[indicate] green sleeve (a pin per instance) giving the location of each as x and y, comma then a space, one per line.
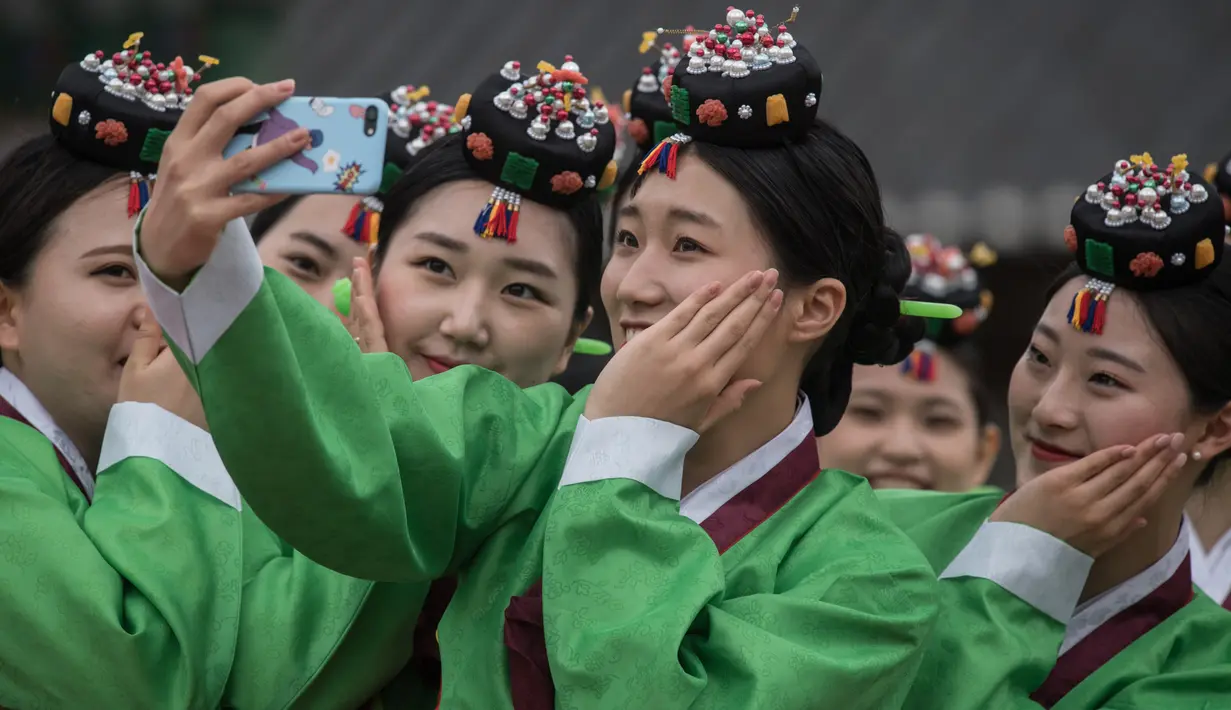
989, 650
312, 637
340, 453
640, 610
131, 602
993, 644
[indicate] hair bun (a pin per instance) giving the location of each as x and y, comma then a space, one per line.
879, 334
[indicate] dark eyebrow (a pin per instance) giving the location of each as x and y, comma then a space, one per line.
115, 250
681, 214
1113, 356
443, 242
1047, 331
678, 214
316, 241
873, 392
530, 266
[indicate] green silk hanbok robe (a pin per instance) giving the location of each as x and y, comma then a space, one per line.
131, 601
1151, 642
799, 594
286, 640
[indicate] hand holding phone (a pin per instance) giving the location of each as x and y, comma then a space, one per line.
345, 156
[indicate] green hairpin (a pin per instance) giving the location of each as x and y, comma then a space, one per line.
341, 296
589, 346
928, 309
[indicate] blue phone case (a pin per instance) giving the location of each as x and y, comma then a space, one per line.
341, 160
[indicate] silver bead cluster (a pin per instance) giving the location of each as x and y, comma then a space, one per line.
408, 117
728, 55
1154, 204
582, 114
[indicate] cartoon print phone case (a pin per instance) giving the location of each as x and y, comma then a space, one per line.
346, 154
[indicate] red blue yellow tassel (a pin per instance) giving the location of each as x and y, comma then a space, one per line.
1088, 312
921, 364
363, 225
499, 216
665, 155
139, 189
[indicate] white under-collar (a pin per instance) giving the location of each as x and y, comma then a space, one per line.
1099, 610
708, 497
1211, 568
15, 392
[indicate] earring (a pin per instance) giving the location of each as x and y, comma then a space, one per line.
1196, 456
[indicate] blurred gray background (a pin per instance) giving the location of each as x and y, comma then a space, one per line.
982, 117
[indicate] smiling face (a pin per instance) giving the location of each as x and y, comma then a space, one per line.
307, 244
674, 237
1074, 393
900, 432
67, 331
448, 297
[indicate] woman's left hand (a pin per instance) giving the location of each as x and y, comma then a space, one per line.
364, 322
681, 369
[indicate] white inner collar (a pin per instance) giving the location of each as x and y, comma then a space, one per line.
1095, 612
1212, 568
15, 392
708, 497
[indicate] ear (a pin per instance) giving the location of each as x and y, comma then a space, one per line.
578, 328
10, 317
1217, 435
989, 449
814, 310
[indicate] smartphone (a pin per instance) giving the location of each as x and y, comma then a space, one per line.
347, 153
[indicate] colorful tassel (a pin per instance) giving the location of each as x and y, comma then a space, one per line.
363, 224
665, 155
140, 187
921, 364
1088, 311
499, 216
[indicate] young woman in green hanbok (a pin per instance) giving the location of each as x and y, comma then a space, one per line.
926, 424
1123, 366
1209, 509
298, 634
121, 579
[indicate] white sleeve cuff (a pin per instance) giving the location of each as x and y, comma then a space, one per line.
646, 450
1041, 570
195, 319
149, 431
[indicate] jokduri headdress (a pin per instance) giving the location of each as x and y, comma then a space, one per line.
742, 85
943, 274
119, 109
1143, 227
645, 105
746, 87
415, 122
537, 137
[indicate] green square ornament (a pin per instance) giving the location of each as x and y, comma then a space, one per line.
664, 130
1100, 258
151, 147
519, 170
680, 105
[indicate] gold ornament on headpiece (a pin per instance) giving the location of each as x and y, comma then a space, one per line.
981, 256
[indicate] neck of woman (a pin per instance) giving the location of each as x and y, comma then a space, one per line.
1210, 508
765, 413
1135, 554
85, 432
